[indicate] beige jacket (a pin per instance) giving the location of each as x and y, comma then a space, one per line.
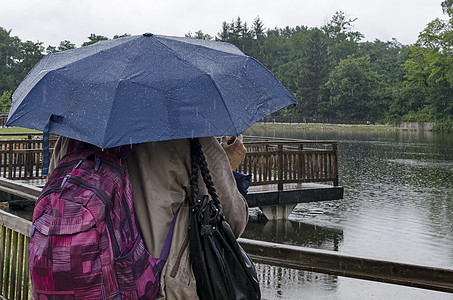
159, 173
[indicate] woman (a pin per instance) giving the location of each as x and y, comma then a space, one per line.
160, 178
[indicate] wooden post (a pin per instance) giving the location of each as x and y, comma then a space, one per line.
10, 160
7, 265
301, 162
12, 292
2, 255
20, 267
26, 270
335, 164
280, 167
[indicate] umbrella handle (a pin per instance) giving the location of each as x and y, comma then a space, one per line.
45, 143
46, 151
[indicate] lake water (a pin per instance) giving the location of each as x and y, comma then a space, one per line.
397, 206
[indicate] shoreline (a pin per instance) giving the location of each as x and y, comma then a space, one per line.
328, 126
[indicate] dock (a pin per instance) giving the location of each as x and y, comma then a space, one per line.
286, 172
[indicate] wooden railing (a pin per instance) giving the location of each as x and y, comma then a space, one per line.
3, 119
22, 158
268, 160
14, 269
274, 161
15, 279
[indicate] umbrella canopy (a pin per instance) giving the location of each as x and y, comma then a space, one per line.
146, 88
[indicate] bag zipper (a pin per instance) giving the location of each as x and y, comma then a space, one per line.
103, 196
175, 268
50, 190
123, 200
69, 163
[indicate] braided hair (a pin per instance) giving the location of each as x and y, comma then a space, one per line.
199, 163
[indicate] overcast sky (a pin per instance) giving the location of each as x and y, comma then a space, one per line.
51, 21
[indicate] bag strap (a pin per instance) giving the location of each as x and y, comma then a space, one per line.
167, 244
198, 161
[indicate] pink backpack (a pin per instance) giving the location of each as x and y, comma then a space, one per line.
85, 242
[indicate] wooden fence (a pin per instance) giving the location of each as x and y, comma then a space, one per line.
22, 158
3, 119
15, 279
290, 161
14, 269
268, 160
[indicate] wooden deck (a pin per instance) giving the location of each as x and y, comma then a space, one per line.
286, 172
292, 193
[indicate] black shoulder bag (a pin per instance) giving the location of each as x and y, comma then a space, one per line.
222, 269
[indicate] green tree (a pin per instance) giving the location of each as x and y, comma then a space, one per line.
16, 59
307, 69
94, 38
430, 66
30, 54
343, 41
9, 56
199, 35
315, 72
258, 29
64, 45
351, 86
224, 34
116, 36
5, 101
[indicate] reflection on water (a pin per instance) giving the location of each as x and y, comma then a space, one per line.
295, 233
398, 205
283, 283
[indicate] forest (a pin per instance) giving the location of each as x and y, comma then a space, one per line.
331, 72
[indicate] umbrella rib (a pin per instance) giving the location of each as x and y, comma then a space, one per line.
107, 125
204, 73
226, 107
116, 92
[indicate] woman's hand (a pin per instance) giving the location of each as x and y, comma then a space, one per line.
234, 150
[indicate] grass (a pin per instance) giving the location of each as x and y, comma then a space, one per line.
18, 130
322, 126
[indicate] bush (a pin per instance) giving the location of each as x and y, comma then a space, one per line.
443, 126
5, 101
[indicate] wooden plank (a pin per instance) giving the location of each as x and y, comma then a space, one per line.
7, 263
2, 255
10, 160
331, 262
26, 270
309, 192
19, 224
20, 267
23, 190
13, 251
13, 264
280, 167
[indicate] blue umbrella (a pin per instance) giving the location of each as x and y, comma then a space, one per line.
146, 88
